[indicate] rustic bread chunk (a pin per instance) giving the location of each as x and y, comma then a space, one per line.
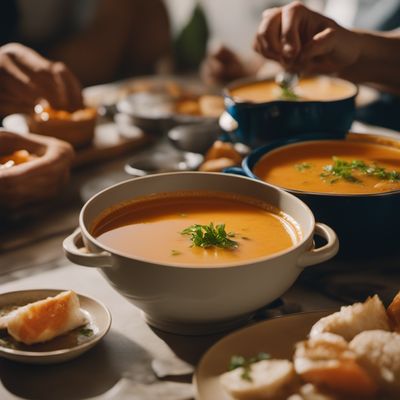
351, 320
45, 319
379, 354
327, 361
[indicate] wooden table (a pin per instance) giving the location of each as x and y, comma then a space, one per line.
124, 364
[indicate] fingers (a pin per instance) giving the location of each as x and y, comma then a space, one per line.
27, 77
268, 38
285, 33
291, 20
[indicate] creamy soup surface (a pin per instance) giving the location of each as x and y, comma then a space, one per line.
317, 88
326, 166
151, 228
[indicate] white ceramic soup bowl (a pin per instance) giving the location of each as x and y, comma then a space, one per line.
192, 299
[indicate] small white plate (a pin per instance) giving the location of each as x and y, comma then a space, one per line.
64, 347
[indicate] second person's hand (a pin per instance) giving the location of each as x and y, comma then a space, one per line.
305, 41
27, 77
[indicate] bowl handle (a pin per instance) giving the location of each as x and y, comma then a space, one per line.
327, 251
80, 255
227, 122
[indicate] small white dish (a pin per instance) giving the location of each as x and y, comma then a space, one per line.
64, 347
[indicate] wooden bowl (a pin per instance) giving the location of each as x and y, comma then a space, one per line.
36, 180
76, 128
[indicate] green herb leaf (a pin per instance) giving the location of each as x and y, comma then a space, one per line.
210, 236
303, 166
86, 332
237, 361
341, 169
288, 94
175, 253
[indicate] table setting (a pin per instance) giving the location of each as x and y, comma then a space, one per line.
160, 324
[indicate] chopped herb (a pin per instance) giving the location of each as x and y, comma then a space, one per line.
245, 363
245, 238
210, 236
86, 332
175, 253
341, 169
288, 94
303, 166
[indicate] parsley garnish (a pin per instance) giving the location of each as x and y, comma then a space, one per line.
341, 169
86, 332
210, 236
175, 253
245, 363
288, 94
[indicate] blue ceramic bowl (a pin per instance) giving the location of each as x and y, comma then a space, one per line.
259, 123
366, 224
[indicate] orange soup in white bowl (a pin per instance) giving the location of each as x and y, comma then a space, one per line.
181, 246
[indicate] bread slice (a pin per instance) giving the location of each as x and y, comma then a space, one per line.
379, 354
270, 379
351, 320
45, 319
327, 362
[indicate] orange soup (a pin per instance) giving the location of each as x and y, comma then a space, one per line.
332, 166
316, 88
196, 228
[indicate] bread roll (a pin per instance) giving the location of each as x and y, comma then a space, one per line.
379, 353
351, 320
45, 319
327, 361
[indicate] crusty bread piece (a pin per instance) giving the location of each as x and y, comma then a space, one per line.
270, 379
393, 312
45, 319
379, 353
326, 361
351, 320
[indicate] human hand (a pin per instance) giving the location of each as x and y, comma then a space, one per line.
26, 77
221, 66
305, 41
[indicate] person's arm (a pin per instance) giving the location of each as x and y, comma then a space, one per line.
378, 61
305, 41
26, 77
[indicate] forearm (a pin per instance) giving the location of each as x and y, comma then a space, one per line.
378, 61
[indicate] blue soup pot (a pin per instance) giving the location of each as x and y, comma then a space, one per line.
366, 224
258, 123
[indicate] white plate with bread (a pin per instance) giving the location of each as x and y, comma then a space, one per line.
350, 354
46, 326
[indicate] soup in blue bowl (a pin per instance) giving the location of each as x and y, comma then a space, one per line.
352, 184
259, 111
